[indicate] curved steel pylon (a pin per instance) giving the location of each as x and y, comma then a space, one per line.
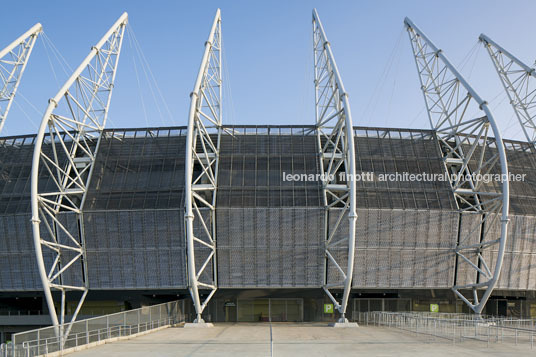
61, 172
337, 156
13, 60
201, 171
462, 123
519, 83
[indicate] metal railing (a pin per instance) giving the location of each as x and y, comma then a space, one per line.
20, 312
87, 312
456, 328
44, 340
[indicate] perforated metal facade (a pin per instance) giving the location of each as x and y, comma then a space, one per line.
270, 247
405, 249
253, 161
388, 151
134, 211
18, 268
521, 160
270, 231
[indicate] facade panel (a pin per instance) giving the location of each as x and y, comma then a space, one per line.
270, 230
519, 264
405, 249
18, 267
139, 169
253, 167
470, 228
522, 161
135, 249
391, 151
286, 252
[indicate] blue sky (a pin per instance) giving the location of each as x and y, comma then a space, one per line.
268, 56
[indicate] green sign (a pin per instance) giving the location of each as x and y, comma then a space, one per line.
328, 308
434, 307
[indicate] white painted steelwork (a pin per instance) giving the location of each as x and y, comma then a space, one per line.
13, 60
337, 156
462, 122
201, 171
519, 83
61, 172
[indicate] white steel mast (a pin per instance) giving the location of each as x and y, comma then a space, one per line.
201, 171
519, 83
62, 165
337, 155
462, 122
13, 60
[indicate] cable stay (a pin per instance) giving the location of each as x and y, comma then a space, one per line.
142, 69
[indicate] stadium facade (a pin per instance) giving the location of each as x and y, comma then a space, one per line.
272, 246
270, 231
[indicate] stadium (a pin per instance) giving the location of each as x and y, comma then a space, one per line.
258, 223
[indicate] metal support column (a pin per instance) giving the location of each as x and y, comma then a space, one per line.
13, 60
462, 122
65, 157
519, 83
337, 158
201, 172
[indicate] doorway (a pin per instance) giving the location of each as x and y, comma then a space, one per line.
265, 310
230, 311
502, 307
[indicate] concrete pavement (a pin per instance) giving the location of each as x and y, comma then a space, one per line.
253, 339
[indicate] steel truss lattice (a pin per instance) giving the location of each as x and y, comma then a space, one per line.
337, 156
519, 83
462, 122
65, 156
13, 60
201, 171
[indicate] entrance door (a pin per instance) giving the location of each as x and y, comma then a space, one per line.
230, 311
502, 307
286, 310
261, 310
255, 310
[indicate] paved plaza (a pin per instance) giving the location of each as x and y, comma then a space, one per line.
243, 339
